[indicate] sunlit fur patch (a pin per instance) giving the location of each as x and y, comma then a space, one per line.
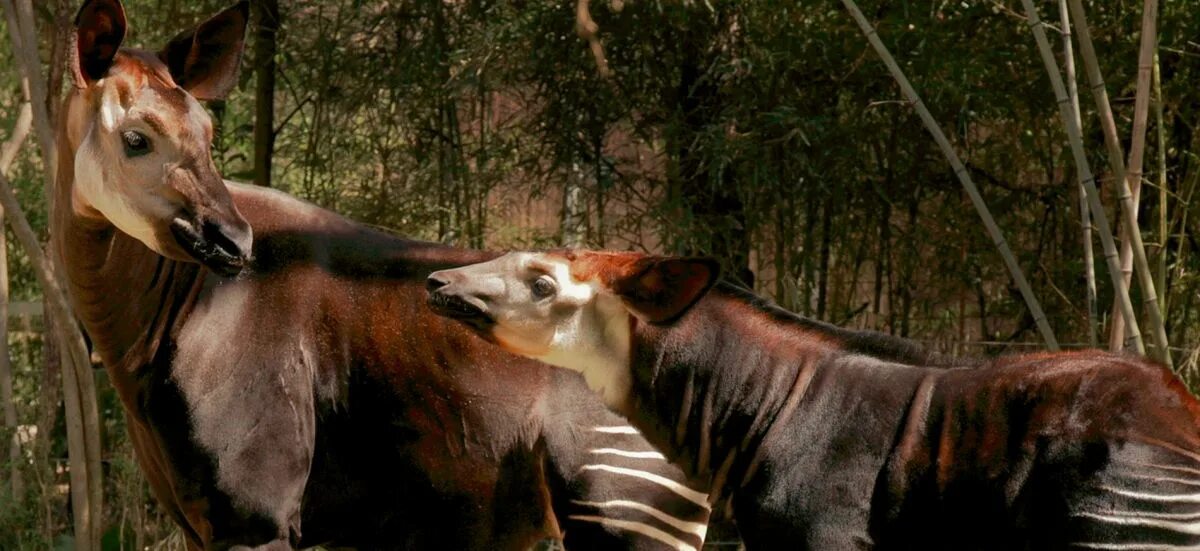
603, 267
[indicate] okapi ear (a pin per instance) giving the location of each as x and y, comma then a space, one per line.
205, 60
99, 31
660, 290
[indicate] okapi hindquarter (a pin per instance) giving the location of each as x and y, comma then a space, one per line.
1042, 451
827, 438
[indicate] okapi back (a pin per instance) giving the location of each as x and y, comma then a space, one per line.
843, 439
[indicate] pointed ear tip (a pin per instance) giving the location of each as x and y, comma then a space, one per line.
90, 6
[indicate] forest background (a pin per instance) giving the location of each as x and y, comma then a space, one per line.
767, 134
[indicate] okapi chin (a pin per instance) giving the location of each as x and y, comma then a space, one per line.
825, 438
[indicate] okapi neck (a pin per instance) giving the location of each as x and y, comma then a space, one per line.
126, 295
709, 388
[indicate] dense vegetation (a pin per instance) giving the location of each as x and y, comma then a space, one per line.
765, 133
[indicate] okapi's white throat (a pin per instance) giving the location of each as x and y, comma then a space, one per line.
104, 184
595, 339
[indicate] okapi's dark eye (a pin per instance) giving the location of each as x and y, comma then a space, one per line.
136, 143
543, 287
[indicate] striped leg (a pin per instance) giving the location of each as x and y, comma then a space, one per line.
611, 489
1147, 498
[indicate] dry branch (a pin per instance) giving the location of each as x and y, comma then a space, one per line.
960, 170
79, 391
588, 30
8, 153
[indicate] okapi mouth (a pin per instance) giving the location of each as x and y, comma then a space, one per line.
209, 246
459, 308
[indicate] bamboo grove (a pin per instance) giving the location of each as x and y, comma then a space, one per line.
769, 134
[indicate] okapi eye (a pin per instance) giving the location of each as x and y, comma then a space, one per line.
136, 143
543, 287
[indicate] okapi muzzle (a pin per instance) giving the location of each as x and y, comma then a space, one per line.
458, 296
209, 228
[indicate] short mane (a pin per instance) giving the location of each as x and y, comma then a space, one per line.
874, 344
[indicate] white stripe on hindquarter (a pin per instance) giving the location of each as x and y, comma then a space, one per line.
621, 429
1176, 468
1192, 516
1134, 546
629, 454
1164, 479
695, 528
1168, 498
1137, 520
644, 529
699, 498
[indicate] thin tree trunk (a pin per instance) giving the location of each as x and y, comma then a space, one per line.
8, 153
79, 391
807, 246
1035, 308
1085, 215
15, 460
264, 89
1116, 161
1137, 150
823, 267
49, 397
1163, 195
574, 209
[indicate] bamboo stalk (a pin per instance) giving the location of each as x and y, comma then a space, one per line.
1089, 181
1116, 162
79, 391
1163, 199
8, 154
1085, 215
1137, 150
1035, 308
64, 323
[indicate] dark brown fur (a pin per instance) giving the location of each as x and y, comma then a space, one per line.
314, 399
834, 439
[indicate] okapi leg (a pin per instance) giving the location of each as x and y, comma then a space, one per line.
615, 490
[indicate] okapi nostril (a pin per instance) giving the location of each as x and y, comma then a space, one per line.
226, 239
435, 282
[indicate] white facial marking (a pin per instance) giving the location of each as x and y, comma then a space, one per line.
111, 110
100, 183
641, 528
595, 339
132, 192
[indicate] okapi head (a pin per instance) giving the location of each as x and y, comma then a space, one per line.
141, 141
572, 309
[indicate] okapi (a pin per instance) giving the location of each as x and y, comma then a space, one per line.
283, 381
826, 438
